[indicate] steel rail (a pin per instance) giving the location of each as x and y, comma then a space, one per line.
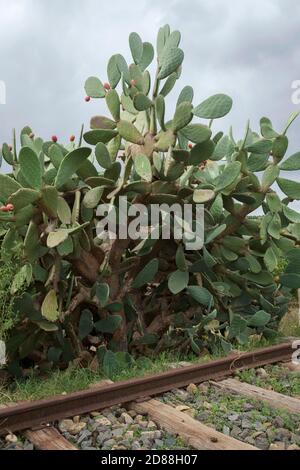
40, 413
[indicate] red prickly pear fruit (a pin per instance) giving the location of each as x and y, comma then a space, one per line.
10, 147
191, 146
87, 99
133, 82
72, 138
106, 86
10, 207
54, 139
31, 135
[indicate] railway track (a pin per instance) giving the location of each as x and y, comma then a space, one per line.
161, 400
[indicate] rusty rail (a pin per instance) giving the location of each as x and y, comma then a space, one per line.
40, 413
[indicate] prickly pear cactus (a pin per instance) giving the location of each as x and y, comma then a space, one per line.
144, 296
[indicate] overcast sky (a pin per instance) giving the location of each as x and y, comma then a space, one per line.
249, 49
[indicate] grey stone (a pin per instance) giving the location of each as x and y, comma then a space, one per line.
118, 432
271, 434
147, 443
250, 440
262, 443
150, 435
182, 394
236, 431
28, 446
136, 446
226, 430
245, 433
158, 443
126, 443
170, 442
203, 416
233, 417
282, 434
104, 437
258, 426
246, 424
249, 406
126, 418
279, 422
109, 443
86, 444
83, 436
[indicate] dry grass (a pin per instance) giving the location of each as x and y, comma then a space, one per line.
290, 324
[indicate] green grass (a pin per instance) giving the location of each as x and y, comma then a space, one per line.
289, 325
222, 404
279, 379
74, 379
8, 317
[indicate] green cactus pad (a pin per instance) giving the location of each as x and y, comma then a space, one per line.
215, 107
147, 57
187, 94
183, 116
171, 60
266, 128
94, 88
203, 195
30, 167
109, 325
56, 238
178, 281
50, 307
93, 197
229, 175
290, 188
160, 107
113, 72
102, 122
169, 84
56, 155
136, 47
70, 164
261, 147
49, 200
130, 133
142, 102
113, 104
8, 186
64, 211
142, 166
292, 163
7, 154
269, 177
102, 155
99, 135
24, 197
201, 152
197, 133
147, 274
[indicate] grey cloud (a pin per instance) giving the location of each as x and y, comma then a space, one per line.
248, 49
